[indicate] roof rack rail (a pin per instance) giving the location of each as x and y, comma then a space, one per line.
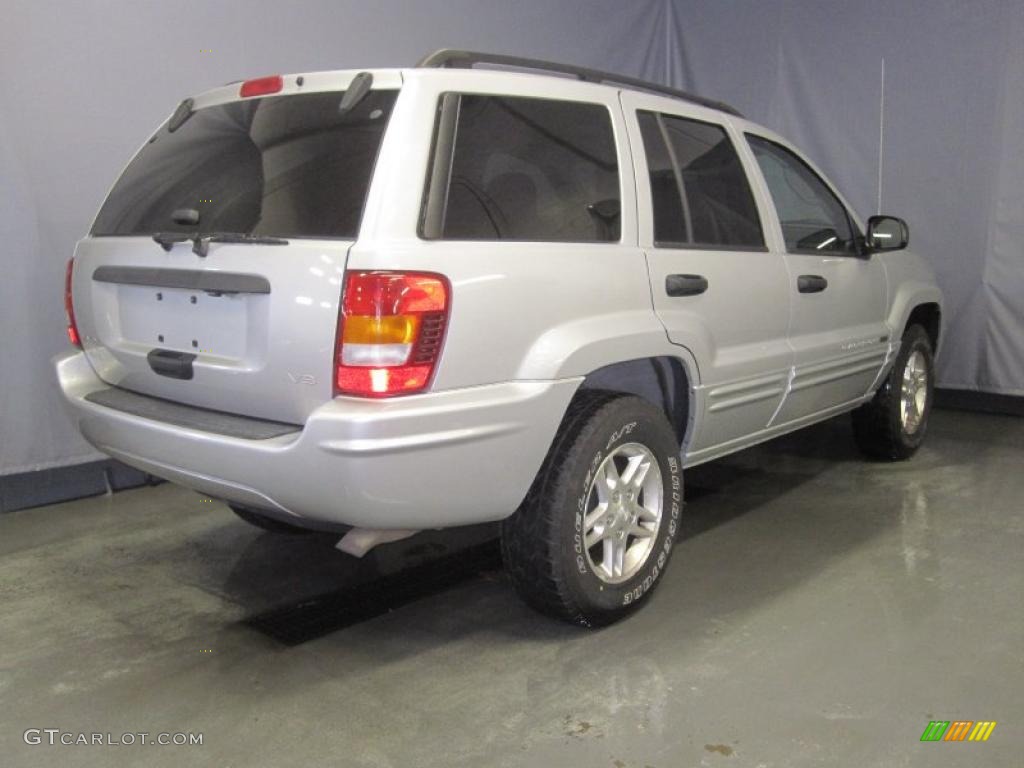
453, 57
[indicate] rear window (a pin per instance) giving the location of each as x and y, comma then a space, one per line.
287, 166
511, 168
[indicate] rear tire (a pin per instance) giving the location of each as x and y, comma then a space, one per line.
267, 523
892, 426
612, 479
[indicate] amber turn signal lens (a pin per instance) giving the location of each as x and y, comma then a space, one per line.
392, 326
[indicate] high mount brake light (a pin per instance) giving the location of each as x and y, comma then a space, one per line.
69, 305
391, 328
261, 86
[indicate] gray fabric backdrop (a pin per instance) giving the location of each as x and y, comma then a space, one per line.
81, 84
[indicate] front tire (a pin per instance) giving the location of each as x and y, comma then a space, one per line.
892, 426
596, 530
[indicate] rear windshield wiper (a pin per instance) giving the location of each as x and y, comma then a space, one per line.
201, 241
168, 239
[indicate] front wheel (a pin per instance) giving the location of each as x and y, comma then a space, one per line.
596, 530
892, 426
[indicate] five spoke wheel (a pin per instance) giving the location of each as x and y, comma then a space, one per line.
913, 392
624, 510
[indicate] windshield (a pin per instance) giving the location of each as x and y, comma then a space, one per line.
285, 166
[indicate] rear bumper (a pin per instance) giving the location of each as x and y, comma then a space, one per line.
426, 461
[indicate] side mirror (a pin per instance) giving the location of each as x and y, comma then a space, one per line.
886, 233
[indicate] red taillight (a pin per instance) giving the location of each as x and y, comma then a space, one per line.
391, 330
261, 86
69, 305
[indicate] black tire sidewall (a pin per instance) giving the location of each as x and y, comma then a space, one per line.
915, 340
628, 420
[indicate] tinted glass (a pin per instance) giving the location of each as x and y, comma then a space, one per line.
812, 218
293, 166
716, 206
529, 169
669, 221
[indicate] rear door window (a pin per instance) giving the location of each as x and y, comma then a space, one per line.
511, 168
288, 166
699, 189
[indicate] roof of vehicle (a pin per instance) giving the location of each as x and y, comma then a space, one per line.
451, 57
448, 58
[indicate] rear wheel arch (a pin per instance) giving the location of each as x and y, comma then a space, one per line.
663, 381
546, 545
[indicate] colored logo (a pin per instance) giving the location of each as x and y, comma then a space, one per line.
958, 730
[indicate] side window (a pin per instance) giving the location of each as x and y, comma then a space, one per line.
670, 223
700, 192
812, 218
510, 168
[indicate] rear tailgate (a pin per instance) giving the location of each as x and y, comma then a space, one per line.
242, 327
262, 331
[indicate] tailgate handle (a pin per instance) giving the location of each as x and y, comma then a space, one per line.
213, 283
173, 365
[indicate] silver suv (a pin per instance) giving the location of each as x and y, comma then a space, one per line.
377, 302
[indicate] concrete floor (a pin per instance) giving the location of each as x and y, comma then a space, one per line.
819, 611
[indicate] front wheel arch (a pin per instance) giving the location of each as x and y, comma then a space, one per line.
878, 427
929, 317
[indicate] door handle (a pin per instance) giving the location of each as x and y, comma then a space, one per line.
685, 285
811, 283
